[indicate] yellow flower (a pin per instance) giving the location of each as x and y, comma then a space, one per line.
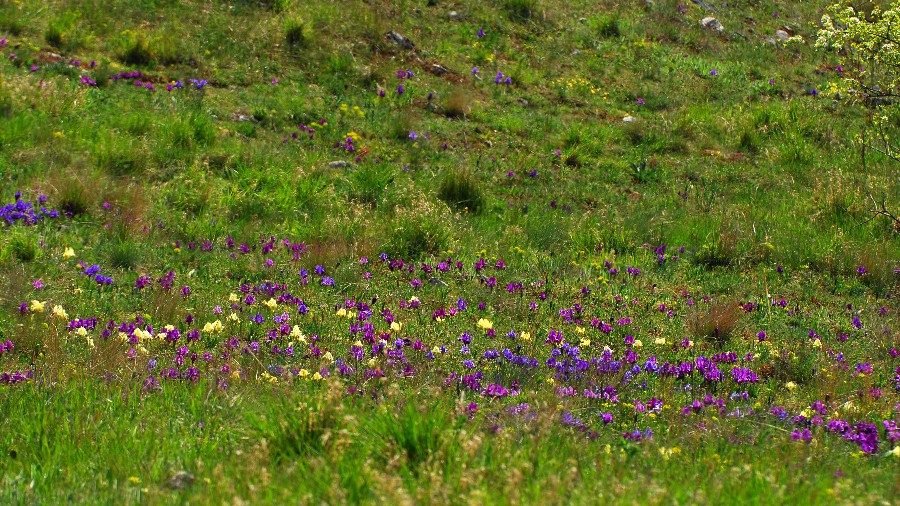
60, 313
213, 327
81, 331
526, 336
396, 327
68, 253
579, 330
661, 341
341, 312
485, 324
585, 343
271, 303
895, 452
317, 376
233, 297
372, 362
37, 306
790, 385
638, 343
303, 373
328, 356
232, 317
296, 332
436, 350
134, 479
90, 342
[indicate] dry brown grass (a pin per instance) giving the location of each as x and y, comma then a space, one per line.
717, 323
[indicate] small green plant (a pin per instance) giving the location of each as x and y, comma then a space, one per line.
644, 172
461, 189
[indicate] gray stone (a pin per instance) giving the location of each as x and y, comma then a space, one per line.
180, 480
782, 35
400, 40
339, 164
711, 23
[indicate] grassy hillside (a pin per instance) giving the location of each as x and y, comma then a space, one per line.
441, 252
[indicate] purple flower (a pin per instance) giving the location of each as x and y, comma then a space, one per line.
480, 32
413, 135
474, 71
713, 72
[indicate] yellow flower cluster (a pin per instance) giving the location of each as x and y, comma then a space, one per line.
485, 324
213, 327
577, 83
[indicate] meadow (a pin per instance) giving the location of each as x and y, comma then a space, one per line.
443, 252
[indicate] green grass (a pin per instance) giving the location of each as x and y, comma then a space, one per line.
759, 188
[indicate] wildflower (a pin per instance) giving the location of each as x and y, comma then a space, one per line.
713, 72
480, 32
396, 327
790, 385
640, 101
68, 253
60, 313
37, 306
474, 71
400, 91
413, 135
485, 324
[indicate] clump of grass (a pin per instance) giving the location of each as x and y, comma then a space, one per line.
716, 324
124, 254
61, 32
136, 52
6, 103
368, 184
74, 197
418, 230
23, 246
608, 26
461, 189
457, 104
297, 33
521, 10
721, 251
